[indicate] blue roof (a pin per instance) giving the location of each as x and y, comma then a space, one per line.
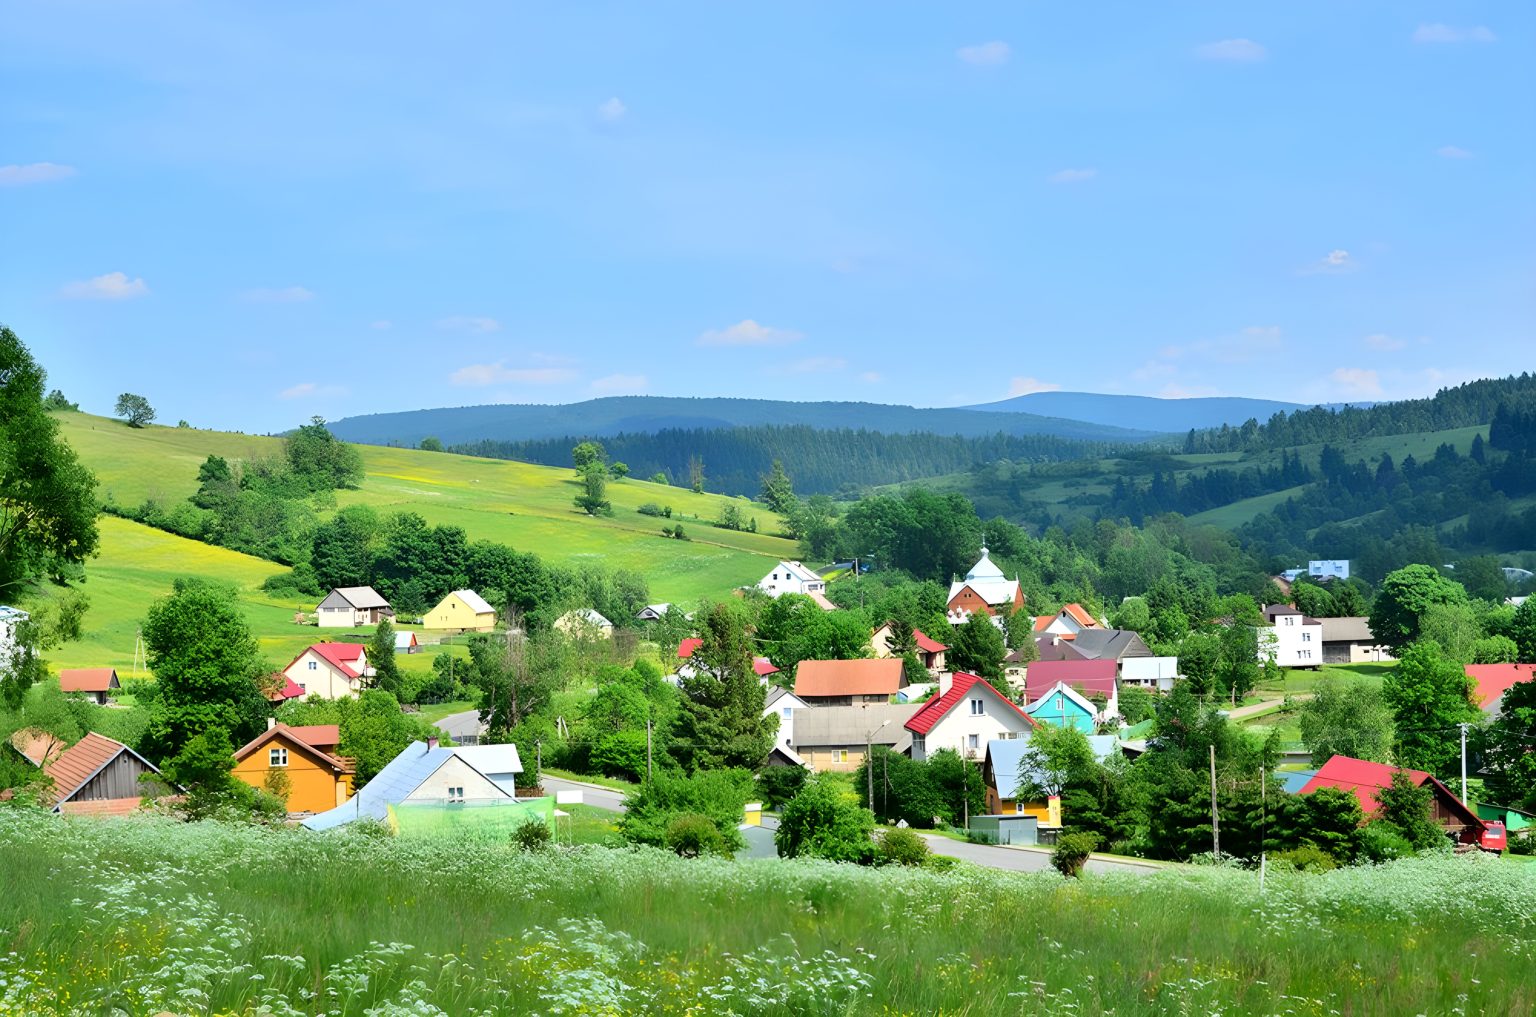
391, 786
1007, 755
1294, 780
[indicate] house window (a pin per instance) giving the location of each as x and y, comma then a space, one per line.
1290, 621
455, 794
314, 666
1306, 654
277, 757
973, 741
839, 755
1306, 637
918, 744
978, 708
786, 712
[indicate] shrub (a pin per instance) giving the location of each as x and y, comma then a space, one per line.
778, 784
1305, 858
1072, 852
903, 847
650, 508
940, 863
825, 821
717, 794
532, 835
1522, 845
1380, 843
691, 835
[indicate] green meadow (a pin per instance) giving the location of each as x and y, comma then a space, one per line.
142, 916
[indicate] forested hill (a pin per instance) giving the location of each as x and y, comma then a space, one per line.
734, 460
1147, 412
1463, 406
601, 418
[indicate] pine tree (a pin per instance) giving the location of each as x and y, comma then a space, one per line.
722, 723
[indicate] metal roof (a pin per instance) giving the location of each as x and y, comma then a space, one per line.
473, 601
489, 759
827, 726
361, 597
392, 785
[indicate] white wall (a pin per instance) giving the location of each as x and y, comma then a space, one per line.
322, 679
1294, 644
456, 773
957, 726
337, 618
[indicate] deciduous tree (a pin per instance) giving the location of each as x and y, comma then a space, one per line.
1429, 696
1404, 598
134, 409
1347, 718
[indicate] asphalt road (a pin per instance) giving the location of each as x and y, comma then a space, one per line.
760, 840
461, 725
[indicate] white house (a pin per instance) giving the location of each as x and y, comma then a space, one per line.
1155, 674
791, 577
423, 772
966, 715
783, 703
583, 622
349, 606
330, 670
1332, 568
10, 617
1291, 639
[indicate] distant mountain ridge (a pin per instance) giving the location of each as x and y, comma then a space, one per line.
613, 415
1150, 413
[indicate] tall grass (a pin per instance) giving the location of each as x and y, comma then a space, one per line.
145, 915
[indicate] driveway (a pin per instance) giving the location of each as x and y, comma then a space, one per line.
462, 725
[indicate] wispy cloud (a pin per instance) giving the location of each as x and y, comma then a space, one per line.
279, 295
625, 384
749, 333
1383, 342
986, 54
1437, 33
871, 377
34, 173
112, 286
1239, 347
1357, 382
309, 389
1073, 176
1241, 51
1335, 262
613, 110
469, 323
479, 375
1452, 152
1026, 386
815, 365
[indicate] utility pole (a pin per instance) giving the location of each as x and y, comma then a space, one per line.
538, 758
869, 766
1215, 820
647, 749
1463, 727
1263, 823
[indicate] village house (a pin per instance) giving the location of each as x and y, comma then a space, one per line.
406, 642
1290, 638
848, 682
330, 670
652, 612
1364, 779
1015, 787
461, 611
984, 590
1094, 680
317, 778
1063, 706
424, 773
1349, 641
1155, 674
835, 738
1068, 622
584, 622
94, 683
783, 704
930, 652
966, 714
791, 577
96, 776
352, 606
1491, 681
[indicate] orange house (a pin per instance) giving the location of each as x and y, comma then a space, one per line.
318, 781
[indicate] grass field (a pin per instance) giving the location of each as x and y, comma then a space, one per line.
143, 916
528, 507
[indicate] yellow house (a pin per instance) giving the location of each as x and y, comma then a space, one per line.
317, 780
462, 611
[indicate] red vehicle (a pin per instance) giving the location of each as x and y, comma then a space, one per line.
1494, 838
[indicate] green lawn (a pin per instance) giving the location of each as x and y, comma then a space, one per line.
526, 506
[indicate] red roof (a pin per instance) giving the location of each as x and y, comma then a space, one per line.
934, 710
87, 679
1363, 779
292, 736
342, 656
1491, 681
288, 689
763, 666
687, 646
321, 736
1086, 676
927, 645
1080, 613
80, 762
869, 677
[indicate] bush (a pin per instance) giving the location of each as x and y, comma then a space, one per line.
1072, 851
825, 821
691, 835
941, 863
1380, 843
650, 508
717, 794
1305, 858
533, 835
1522, 845
778, 784
903, 847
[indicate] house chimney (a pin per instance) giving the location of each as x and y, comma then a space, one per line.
271, 723
431, 744
946, 679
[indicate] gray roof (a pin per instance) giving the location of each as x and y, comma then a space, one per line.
1007, 758
827, 726
1347, 630
778, 692
392, 785
1109, 644
362, 598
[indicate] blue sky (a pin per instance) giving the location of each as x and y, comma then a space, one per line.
252, 213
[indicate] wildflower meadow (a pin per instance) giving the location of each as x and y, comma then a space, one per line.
145, 916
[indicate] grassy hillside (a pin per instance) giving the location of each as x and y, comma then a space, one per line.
528, 507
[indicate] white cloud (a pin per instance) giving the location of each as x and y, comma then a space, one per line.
1357, 382
1434, 33
1244, 51
308, 389
749, 333
1382, 341
621, 384
1024, 386
477, 375
815, 365
613, 110
280, 295
1336, 262
112, 286
1452, 152
986, 54
382, 325
871, 377
34, 173
1073, 176
469, 323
